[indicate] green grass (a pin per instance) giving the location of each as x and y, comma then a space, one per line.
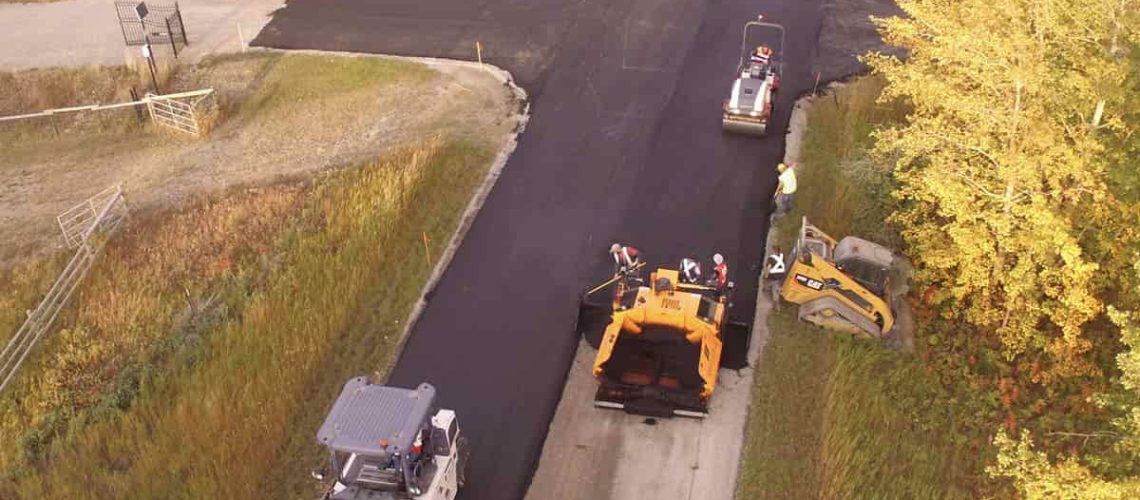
296, 289
889, 430
833, 416
301, 77
250, 86
836, 417
782, 457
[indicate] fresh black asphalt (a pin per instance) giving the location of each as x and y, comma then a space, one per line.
624, 144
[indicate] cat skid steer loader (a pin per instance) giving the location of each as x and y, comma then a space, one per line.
841, 286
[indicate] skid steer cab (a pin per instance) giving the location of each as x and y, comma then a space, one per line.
391, 443
841, 285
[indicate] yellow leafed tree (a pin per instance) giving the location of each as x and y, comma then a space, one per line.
1001, 163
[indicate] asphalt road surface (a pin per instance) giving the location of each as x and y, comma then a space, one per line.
624, 144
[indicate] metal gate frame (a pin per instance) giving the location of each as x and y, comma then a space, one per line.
162, 25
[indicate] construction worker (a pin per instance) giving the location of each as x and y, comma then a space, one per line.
720, 272
626, 258
417, 447
785, 189
774, 273
690, 271
762, 56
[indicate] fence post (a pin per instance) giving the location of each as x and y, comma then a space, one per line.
181, 25
170, 34
138, 112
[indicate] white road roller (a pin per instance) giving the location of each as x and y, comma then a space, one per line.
749, 105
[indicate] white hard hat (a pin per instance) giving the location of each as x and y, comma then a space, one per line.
615, 248
718, 259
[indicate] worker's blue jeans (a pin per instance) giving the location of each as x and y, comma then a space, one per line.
784, 202
774, 287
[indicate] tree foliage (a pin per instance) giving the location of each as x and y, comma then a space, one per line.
1018, 202
1002, 162
1036, 477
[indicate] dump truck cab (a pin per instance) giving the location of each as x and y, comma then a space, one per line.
661, 350
387, 443
840, 285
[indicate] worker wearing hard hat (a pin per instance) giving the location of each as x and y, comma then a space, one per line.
774, 273
690, 271
720, 272
786, 189
762, 55
626, 258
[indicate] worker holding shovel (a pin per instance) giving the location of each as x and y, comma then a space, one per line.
785, 194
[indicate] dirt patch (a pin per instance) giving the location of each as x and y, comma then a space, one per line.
284, 116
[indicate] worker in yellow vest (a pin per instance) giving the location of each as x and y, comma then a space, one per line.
786, 189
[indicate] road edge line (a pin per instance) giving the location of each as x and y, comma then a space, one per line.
474, 205
760, 333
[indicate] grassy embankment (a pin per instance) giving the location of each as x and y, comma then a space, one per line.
835, 417
199, 357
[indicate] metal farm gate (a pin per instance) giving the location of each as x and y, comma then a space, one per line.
160, 24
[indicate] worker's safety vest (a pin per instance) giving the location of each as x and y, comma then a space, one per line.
721, 271
777, 266
690, 268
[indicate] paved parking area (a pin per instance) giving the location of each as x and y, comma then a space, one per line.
87, 32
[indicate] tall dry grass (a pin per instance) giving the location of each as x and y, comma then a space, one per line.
232, 412
146, 298
21, 289
36, 90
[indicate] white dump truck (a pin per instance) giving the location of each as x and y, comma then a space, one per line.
391, 443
